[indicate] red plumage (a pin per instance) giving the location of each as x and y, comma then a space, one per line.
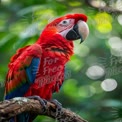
51, 71
53, 50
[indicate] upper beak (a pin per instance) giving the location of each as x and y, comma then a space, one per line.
79, 31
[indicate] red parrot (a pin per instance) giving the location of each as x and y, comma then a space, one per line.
38, 69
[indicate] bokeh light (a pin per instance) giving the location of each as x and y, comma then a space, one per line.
5, 1
103, 22
95, 72
98, 3
120, 19
119, 5
109, 84
116, 46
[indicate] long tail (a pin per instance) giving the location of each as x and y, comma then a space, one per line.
24, 117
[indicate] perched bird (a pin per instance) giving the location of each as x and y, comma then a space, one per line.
38, 69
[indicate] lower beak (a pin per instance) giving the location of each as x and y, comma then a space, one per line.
79, 31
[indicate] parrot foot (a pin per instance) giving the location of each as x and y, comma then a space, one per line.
57, 103
58, 107
43, 102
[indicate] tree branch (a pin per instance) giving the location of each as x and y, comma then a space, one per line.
13, 107
106, 8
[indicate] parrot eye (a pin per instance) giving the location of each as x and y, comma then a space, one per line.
65, 22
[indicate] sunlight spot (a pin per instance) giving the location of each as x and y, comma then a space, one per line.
5, 1
120, 19
103, 22
115, 42
98, 3
109, 84
116, 46
119, 5
95, 72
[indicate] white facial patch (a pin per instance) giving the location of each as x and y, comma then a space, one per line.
64, 33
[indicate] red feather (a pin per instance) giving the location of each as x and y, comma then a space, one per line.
54, 52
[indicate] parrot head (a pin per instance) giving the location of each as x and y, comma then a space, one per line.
71, 27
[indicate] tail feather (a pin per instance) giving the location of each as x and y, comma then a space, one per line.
12, 120
23, 117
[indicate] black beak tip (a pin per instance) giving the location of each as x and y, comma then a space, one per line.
73, 34
81, 40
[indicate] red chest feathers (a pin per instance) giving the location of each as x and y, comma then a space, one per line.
49, 77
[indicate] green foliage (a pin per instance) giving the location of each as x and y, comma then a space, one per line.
21, 23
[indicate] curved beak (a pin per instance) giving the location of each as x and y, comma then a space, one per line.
79, 31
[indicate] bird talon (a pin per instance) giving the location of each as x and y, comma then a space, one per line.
43, 102
58, 106
57, 103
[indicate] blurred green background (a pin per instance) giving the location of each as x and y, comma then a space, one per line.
93, 86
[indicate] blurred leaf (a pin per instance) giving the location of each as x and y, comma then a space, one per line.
74, 3
71, 85
103, 21
76, 63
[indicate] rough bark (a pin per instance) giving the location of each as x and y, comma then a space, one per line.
13, 107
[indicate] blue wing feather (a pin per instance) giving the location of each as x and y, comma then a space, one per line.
32, 70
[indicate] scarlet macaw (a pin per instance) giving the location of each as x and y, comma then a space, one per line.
38, 69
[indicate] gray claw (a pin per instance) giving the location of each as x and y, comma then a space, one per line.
43, 102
